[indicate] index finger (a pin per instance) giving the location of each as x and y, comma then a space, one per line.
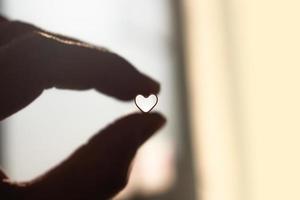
78, 65
68, 63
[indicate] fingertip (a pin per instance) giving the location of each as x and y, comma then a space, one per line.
145, 119
140, 126
147, 86
142, 85
131, 81
154, 120
128, 80
134, 128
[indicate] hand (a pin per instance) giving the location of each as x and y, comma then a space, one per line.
32, 60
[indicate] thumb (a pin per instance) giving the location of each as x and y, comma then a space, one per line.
98, 169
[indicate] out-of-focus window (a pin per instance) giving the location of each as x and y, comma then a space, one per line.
48, 130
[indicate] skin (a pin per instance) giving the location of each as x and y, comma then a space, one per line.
33, 60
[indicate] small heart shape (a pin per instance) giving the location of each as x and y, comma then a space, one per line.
146, 104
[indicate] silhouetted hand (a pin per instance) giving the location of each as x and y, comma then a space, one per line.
32, 60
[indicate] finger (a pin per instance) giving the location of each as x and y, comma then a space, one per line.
71, 64
99, 169
78, 65
32, 60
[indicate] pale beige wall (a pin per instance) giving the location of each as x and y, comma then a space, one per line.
211, 104
244, 68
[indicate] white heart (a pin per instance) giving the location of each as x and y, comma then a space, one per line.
146, 104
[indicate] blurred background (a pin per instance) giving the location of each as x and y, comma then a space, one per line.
229, 72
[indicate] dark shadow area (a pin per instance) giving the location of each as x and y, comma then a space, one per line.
1, 125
